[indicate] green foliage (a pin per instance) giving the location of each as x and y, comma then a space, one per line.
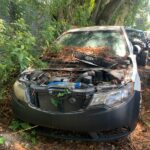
56, 101
16, 48
20, 44
138, 17
82, 13
129, 20
30, 137
61, 94
141, 19
18, 125
48, 19
55, 48
21, 126
4, 10
50, 31
2, 140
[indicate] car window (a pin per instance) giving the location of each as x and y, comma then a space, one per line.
113, 40
136, 35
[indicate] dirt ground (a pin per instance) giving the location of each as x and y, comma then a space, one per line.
138, 140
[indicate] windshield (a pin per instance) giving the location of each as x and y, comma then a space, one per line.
112, 41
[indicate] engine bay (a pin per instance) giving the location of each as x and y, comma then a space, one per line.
70, 83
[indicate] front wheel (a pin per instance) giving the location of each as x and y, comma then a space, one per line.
142, 59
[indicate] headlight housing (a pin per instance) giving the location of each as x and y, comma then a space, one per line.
114, 97
20, 91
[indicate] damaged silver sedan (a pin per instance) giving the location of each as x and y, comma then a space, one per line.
90, 91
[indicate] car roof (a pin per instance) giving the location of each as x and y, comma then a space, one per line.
131, 29
95, 28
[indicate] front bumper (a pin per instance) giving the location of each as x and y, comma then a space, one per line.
91, 120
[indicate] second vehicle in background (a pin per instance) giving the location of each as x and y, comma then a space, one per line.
138, 37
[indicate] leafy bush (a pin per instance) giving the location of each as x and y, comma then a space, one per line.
2, 140
16, 48
51, 30
82, 13
26, 131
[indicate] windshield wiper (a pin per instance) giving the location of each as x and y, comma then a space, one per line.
92, 60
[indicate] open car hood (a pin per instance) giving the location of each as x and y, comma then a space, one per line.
74, 79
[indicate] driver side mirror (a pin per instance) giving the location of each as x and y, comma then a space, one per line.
136, 49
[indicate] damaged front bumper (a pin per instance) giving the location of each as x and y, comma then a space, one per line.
91, 120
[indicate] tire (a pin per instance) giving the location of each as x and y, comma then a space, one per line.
142, 59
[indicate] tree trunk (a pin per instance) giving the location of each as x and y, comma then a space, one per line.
108, 12
96, 10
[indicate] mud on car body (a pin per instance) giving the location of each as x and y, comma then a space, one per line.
91, 88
